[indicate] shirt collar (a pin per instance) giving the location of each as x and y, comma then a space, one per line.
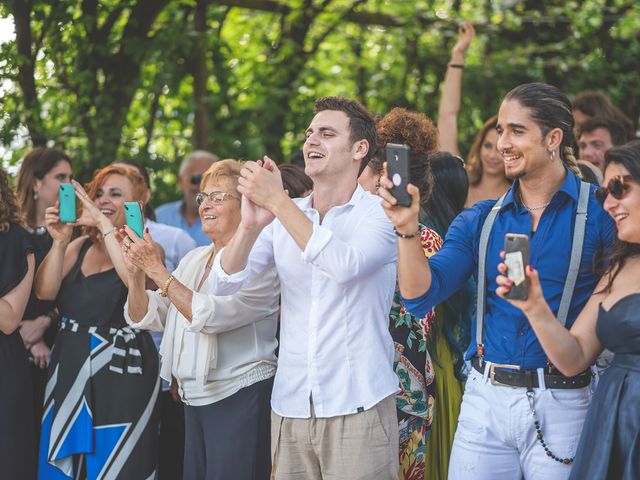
307, 202
569, 187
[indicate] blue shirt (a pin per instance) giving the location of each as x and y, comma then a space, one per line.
170, 214
508, 336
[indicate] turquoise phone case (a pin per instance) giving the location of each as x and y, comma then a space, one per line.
67, 203
133, 214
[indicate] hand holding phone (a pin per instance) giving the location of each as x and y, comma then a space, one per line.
67, 203
398, 171
133, 216
516, 258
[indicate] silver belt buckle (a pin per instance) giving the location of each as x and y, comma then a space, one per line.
492, 373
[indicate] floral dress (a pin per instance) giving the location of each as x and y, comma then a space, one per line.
413, 364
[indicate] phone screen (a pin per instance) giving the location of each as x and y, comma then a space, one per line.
516, 258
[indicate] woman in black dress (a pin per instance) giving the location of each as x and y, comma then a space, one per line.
17, 459
99, 417
38, 183
610, 443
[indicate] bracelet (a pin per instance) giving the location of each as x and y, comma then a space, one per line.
406, 235
109, 232
456, 65
165, 289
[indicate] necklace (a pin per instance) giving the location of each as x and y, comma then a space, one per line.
38, 231
531, 209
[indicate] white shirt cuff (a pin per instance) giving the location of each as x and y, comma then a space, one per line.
202, 309
151, 320
319, 239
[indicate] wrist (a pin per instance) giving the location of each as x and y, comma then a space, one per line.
457, 57
407, 231
104, 225
278, 203
535, 311
159, 275
59, 244
45, 320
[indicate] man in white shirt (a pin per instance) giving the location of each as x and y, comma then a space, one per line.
333, 401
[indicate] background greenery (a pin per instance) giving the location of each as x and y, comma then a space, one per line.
153, 79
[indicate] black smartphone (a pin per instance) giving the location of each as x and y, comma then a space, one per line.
398, 171
516, 249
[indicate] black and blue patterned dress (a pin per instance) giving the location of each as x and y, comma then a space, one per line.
100, 418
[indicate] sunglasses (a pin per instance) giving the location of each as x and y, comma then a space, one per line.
617, 187
196, 179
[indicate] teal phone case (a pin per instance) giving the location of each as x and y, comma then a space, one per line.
134, 217
67, 203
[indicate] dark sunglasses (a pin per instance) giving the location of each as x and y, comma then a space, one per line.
196, 179
617, 187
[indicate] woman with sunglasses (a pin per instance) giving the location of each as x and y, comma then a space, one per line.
220, 349
608, 446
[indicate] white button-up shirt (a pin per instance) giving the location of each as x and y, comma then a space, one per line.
230, 342
335, 345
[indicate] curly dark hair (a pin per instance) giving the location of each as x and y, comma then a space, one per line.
416, 130
9, 211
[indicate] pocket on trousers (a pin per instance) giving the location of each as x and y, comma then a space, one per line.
571, 398
376, 418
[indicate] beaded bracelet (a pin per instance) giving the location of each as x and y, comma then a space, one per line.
406, 235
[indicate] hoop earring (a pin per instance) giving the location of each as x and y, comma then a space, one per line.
552, 155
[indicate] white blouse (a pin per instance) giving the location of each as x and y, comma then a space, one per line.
230, 342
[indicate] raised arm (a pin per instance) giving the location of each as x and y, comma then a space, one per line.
58, 261
414, 273
571, 351
12, 304
93, 217
451, 92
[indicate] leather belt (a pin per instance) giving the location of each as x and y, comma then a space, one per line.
512, 376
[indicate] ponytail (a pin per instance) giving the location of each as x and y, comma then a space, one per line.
570, 161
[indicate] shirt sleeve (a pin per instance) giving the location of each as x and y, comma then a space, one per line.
217, 314
452, 265
260, 259
373, 245
156, 315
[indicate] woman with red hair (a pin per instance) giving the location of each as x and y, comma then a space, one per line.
99, 410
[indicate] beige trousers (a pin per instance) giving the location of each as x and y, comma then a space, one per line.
350, 447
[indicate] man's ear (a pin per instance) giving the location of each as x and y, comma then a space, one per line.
554, 139
360, 149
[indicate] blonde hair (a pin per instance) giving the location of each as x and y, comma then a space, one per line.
228, 168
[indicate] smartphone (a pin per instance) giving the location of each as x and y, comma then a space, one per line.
67, 203
516, 249
398, 171
133, 215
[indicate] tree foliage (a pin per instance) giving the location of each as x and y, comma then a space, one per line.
152, 79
